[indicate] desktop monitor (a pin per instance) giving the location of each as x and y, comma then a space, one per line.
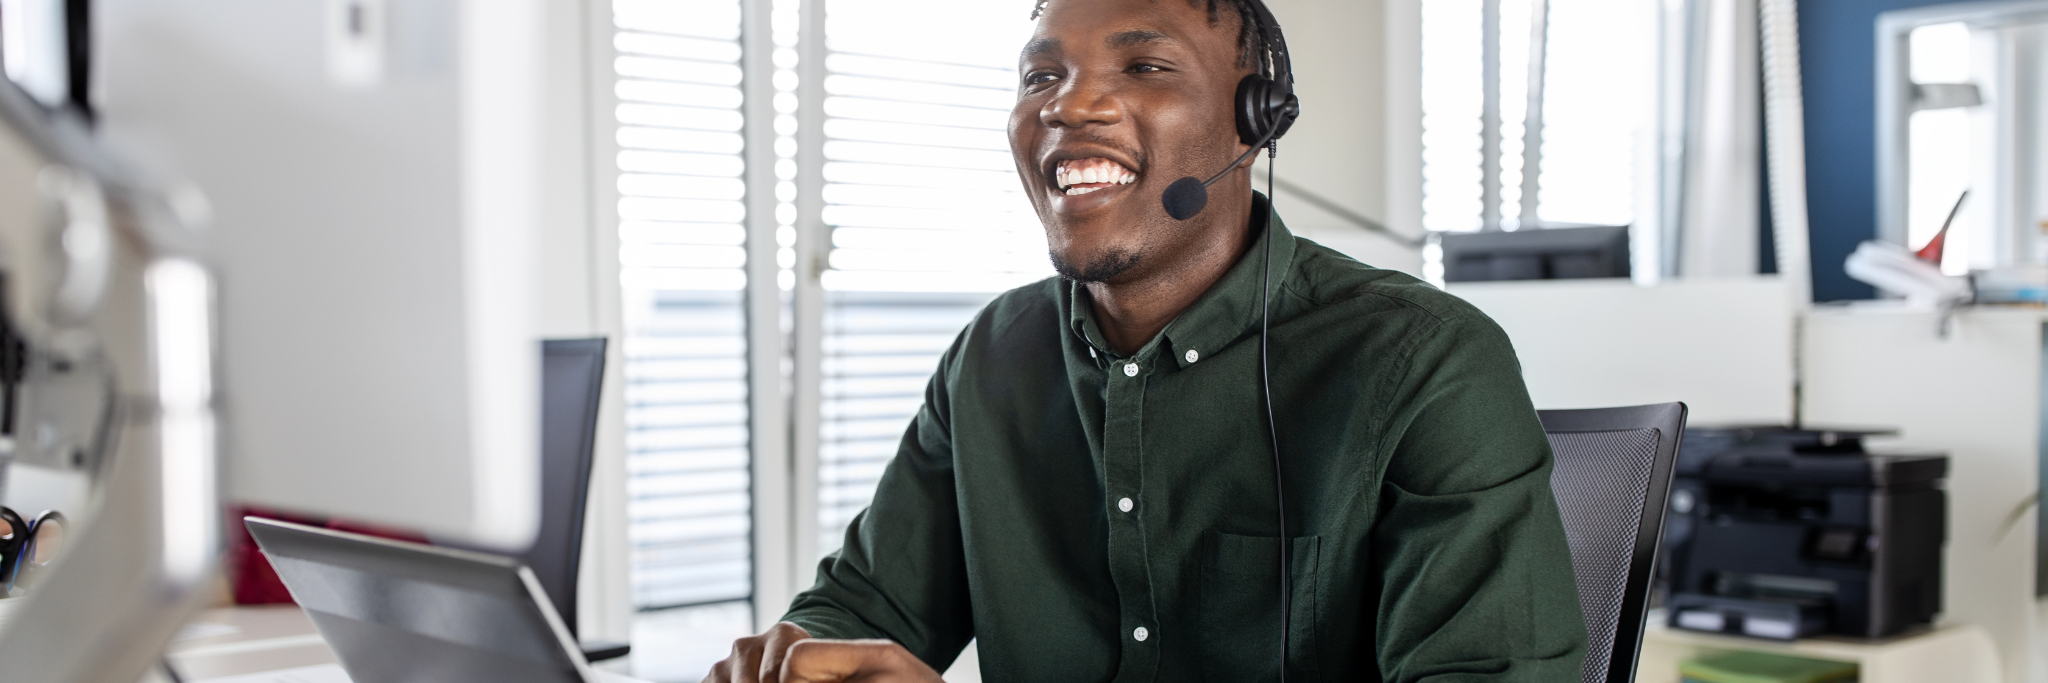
373, 173
1537, 254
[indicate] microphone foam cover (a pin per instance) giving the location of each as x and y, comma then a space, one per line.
1185, 198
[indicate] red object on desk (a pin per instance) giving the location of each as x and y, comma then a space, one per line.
250, 573
1932, 252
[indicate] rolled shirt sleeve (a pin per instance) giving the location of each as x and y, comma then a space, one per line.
901, 574
1473, 570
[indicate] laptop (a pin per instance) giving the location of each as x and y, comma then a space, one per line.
398, 612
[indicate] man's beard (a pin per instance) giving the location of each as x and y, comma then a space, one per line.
1103, 268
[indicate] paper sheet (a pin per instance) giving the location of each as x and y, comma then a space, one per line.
319, 673
204, 629
332, 673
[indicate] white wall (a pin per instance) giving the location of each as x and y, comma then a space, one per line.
567, 257
1338, 149
1724, 347
1975, 395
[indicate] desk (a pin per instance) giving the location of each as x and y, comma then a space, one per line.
1955, 652
238, 641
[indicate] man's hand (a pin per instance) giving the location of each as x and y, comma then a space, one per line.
855, 661
758, 659
787, 654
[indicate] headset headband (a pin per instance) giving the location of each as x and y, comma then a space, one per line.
1276, 44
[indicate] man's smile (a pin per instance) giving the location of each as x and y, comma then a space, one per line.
1076, 177
1086, 177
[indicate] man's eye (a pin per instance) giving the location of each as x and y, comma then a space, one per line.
1145, 68
1040, 78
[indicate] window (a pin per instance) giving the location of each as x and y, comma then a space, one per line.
1452, 107
682, 255
1595, 91
918, 219
1940, 145
926, 217
1599, 100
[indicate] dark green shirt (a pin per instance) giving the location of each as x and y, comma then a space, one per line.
1053, 497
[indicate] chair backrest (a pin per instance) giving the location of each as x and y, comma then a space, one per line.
1611, 476
572, 374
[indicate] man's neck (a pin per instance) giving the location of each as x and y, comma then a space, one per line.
1133, 312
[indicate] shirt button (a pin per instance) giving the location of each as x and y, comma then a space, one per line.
1141, 634
1125, 505
1130, 369
1192, 356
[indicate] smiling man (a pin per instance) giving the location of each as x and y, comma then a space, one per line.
1088, 489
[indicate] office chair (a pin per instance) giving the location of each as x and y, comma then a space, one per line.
572, 376
1612, 476
571, 382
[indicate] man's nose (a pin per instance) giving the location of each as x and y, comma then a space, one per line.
1081, 102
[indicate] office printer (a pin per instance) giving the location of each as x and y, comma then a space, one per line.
1787, 533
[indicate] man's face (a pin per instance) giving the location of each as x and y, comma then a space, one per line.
1118, 99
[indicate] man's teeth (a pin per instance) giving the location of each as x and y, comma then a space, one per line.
1096, 173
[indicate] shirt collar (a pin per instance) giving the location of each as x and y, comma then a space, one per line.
1225, 313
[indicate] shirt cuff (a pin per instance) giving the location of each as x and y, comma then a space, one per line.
831, 624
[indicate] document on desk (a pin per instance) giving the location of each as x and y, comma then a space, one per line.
332, 673
319, 673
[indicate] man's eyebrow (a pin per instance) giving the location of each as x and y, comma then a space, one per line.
1040, 47
1125, 39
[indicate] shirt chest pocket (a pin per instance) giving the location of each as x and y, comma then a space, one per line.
1239, 607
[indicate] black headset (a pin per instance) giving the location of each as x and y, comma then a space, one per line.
1266, 104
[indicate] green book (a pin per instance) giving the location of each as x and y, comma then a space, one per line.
1758, 667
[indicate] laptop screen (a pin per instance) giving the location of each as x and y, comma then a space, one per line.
400, 612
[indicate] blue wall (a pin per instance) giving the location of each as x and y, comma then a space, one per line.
1838, 64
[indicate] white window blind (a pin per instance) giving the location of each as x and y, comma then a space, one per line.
926, 216
1599, 96
1600, 101
682, 236
1451, 110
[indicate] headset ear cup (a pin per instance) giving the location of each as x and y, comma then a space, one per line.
1285, 110
1253, 111
1262, 105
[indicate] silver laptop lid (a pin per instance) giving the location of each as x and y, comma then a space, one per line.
398, 612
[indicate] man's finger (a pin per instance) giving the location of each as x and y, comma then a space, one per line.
830, 661
744, 661
778, 639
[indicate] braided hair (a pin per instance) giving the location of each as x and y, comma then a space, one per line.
1253, 43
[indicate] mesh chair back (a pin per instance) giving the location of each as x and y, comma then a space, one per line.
1612, 475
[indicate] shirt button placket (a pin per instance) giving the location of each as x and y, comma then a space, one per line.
1123, 460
